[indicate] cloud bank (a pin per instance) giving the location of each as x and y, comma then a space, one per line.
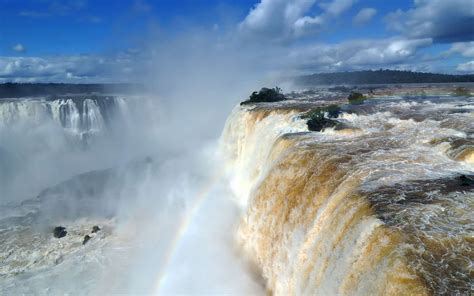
74, 69
281, 20
283, 37
444, 21
466, 67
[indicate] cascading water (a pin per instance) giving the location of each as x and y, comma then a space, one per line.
78, 116
147, 203
383, 207
62, 136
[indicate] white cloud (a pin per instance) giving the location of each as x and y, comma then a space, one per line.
443, 20
283, 20
81, 68
286, 21
19, 48
364, 16
466, 67
274, 19
466, 49
357, 54
336, 7
283, 58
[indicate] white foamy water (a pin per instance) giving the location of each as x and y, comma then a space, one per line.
166, 220
370, 209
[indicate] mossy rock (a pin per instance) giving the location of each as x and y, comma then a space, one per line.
356, 98
321, 117
317, 125
332, 111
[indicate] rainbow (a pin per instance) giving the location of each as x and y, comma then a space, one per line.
183, 227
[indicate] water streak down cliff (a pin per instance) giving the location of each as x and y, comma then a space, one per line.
382, 208
79, 116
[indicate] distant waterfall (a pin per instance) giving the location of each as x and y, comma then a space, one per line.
78, 116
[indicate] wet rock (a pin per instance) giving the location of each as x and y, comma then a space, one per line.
59, 232
58, 260
86, 239
318, 124
339, 126
95, 229
466, 180
356, 98
322, 117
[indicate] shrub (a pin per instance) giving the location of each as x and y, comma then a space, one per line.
317, 124
356, 98
333, 111
317, 119
266, 95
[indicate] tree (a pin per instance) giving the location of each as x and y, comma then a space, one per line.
266, 95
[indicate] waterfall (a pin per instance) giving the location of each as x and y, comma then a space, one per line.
66, 133
381, 207
77, 116
374, 209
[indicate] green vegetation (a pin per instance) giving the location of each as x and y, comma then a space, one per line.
18, 90
266, 95
320, 118
333, 111
356, 98
379, 77
462, 92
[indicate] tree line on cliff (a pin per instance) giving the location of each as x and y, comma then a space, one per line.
19, 90
379, 77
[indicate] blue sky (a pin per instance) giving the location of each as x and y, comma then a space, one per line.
82, 40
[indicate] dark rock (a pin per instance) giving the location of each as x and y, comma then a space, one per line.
59, 260
86, 239
318, 125
466, 180
341, 126
95, 229
59, 232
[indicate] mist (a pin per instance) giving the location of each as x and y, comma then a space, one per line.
156, 176
196, 79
